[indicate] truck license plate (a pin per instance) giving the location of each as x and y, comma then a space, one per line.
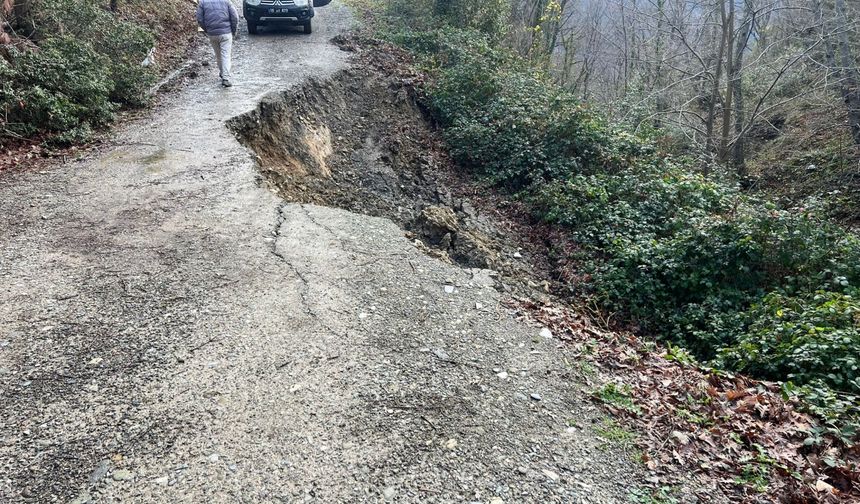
278, 11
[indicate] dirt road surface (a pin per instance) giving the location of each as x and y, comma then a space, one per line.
172, 331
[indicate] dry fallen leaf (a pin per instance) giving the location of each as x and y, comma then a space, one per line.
823, 486
733, 395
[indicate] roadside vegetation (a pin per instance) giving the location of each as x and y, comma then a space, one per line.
681, 253
67, 66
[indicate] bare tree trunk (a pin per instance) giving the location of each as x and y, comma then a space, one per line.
554, 29
537, 8
626, 45
825, 28
731, 76
715, 88
657, 79
850, 78
738, 154
636, 45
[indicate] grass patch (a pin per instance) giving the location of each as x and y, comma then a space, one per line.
618, 396
615, 434
585, 368
662, 495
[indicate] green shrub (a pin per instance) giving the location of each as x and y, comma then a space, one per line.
61, 86
806, 339
489, 17
123, 43
512, 125
692, 277
86, 64
76, 135
839, 412
416, 14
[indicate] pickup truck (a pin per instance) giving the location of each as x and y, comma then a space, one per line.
296, 12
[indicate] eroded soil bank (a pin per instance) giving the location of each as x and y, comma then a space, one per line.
360, 141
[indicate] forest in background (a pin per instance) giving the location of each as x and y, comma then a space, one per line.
723, 81
764, 90
705, 71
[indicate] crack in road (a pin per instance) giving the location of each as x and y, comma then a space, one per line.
274, 249
304, 292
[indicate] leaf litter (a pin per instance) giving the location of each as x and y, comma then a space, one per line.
740, 433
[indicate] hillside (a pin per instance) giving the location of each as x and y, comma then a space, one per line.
808, 156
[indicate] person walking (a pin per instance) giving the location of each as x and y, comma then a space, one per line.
220, 21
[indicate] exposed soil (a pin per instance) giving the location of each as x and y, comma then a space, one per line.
360, 141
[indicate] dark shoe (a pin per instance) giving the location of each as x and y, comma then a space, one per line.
226, 83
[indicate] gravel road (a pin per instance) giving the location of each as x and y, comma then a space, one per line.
171, 331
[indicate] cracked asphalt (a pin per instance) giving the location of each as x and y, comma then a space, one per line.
171, 331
